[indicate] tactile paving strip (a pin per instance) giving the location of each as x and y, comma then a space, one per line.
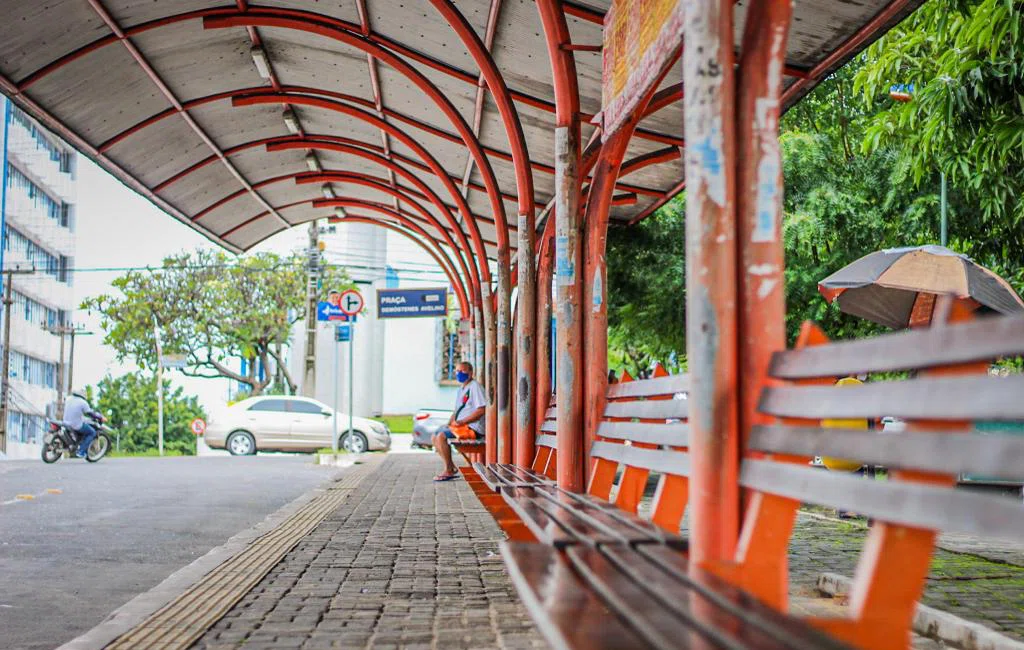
183, 620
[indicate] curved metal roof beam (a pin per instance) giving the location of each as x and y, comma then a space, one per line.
313, 24
380, 185
307, 143
327, 104
410, 230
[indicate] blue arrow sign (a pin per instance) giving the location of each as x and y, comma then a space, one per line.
325, 311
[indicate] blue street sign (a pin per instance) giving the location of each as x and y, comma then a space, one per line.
343, 332
325, 311
412, 303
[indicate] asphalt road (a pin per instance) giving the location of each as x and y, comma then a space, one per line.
118, 528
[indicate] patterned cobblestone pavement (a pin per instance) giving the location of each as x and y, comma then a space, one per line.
404, 563
980, 580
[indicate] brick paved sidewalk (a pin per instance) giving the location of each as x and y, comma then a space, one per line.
403, 563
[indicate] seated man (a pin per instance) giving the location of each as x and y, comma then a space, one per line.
470, 405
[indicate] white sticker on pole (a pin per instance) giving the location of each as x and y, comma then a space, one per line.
565, 265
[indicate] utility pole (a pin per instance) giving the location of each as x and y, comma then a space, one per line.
312, 292
943, 218
5, 377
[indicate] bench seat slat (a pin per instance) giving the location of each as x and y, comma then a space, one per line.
648, 532
521, 475
662, 409
676, 433
910, 504
487, 474
666, 461
648, 387
979, 340
567, 612
553, 524
650, 562
994, 455
946, 398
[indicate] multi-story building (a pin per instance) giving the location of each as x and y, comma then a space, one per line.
37, 215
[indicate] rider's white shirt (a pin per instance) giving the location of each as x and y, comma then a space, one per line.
75, 410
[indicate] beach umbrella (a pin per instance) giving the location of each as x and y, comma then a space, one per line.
898, 286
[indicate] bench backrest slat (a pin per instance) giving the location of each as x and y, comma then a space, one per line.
549, 426
952, 452
649, 387
947, 398
676, 434
664, 461
547, 440
980, 340
648, 409
911, 504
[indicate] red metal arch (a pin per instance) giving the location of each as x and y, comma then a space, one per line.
464, 307
425, 190
315, 24
327, 104
435, 252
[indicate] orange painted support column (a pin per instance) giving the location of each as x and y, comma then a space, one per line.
570, 471
545, 269
595, 282
709, 105
762, 326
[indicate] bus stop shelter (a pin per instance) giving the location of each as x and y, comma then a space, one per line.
503, 137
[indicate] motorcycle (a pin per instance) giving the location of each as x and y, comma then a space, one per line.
62, 438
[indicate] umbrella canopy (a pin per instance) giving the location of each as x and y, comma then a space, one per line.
885, 286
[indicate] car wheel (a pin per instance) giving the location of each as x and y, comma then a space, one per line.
241, 443
356, 443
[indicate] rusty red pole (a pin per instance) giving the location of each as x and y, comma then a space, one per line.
709, 108
491, 373
570, 471
526, 343
545, 265
762, 324
595, 307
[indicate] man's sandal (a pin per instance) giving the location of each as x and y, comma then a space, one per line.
445, 477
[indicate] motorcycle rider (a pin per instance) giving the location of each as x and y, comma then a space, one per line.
76, 411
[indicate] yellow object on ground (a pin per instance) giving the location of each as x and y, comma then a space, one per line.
840, 464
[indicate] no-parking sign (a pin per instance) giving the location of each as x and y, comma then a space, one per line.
198, 426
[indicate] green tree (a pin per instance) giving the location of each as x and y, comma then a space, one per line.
647, 290
212, 308
965, 59
130, 403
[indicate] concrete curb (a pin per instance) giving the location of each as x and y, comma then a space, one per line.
934, 623
140, 608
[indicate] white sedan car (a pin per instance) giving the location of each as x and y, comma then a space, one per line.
279, 423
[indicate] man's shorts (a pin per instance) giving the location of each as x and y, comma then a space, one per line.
451, 436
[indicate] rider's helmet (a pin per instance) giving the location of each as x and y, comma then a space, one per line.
79, 392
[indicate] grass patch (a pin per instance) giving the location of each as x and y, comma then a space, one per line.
328, 450
148, 453
397, 423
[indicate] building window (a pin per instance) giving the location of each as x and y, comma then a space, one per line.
39, 257
36, 312
33, 371
26, 195
64, 158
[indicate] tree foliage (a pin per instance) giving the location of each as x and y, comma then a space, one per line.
862, 173
965, 61
130, 403
213, 309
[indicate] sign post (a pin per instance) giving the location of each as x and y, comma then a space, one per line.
198, 427
342, 333
351, 304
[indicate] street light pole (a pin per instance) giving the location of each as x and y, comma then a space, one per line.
943, 205
159, 388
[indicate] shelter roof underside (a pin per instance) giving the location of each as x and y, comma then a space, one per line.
227, 126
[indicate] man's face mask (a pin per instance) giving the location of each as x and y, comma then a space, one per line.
461, 376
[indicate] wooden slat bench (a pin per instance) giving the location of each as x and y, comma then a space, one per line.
595, 581
541, 472
471, 450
